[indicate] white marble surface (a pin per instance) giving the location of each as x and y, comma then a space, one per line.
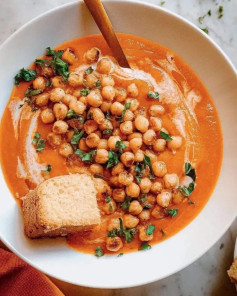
207, 276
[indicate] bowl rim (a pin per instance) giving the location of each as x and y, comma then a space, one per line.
227, 59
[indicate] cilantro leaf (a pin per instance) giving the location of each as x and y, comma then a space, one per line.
186, 191
76, 136
189, 171
126, 203
165, 136
32, 92
120, 254
153, 95
36, 138
220, 12
113, 159
150, 229
205, 30
25, 75
97, 84
85, 91
145, 247
99, 252
107, 131
40, 145
84, 156
172, 212
120, 118
162, 231
108, 199
120, 146
191, 202
48, 170
89, 70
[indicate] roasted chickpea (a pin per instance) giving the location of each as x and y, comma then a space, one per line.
113, 244
145, 185
138, 155
108, 92
158, 212
42, 99
83, 100
90, 126
130, 221
141, 123
107, 80
60, 111
156, 187
149, 137
126, 127
109, 207
69, 135
144, 215
103, 189
125, 178
47, 115
47, 72
155, 123
107, 124
117, 169
164, 198
159, 168
91, 55
135, 208
134, 104
96, 169
104, 66
159, 145
57, 95
127, 158
133, 190
90, 80
78, 107
128, 116
186, 181
98, 115
171, 180
135, 144
77, 93
118, 194
117, 108
177, 197
94, 98
105, 106
113, 223
82, 145
92, 140
65, 149
75, 79
60, 127
143, 236
69, 99
54, 140
102, 156
39, 83
103, 144
112, 141
57, 81
69, 56
117, 132
175, 144
132, 90
115, 182
134, 135
156, 110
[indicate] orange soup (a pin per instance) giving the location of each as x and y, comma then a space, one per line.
150, 137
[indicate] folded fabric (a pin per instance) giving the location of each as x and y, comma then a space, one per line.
17, 278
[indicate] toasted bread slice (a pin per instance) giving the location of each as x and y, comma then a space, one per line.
232, 272
60, 206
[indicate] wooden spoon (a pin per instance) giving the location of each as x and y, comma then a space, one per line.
103, 22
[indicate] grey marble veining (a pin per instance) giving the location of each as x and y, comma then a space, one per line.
206, 276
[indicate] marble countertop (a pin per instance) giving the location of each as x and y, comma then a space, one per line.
207, 276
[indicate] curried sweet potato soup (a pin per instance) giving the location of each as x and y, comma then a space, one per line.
150, 137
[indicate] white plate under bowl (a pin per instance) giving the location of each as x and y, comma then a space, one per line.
214, 69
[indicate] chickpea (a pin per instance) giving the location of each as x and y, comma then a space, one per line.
135, 144
108, 92
113, 223
117, 108
132, 170
39, 83
47, 72
175, 144
103, 189
126, 127
125, 178
102, 156
117, 132
145, 185
135, 208
133, 190
42, 99
75, 79
92, 140
118, 194
91, 55
115, 182
107, 80
54, 140
94, 98
57, 95
127, 148
150, 199
171, 180
109, 207
98, 115
117, 169
134, 135
60, 111
158, 212
57, 82
78, 107
69, 99
151, 155
69, 56
65, 149
128, 116
149, 137
96, 169
91, 80
113, 244
159, 145
163, 199
141, 123
107, 124
83, 100
47, 115
140, 111
130, 221
138, 155
155, 123
132, 90
103, 144
177, 197
104, 66
112, 141
156, 187
143, 236
156, 110
105, 106
90, 126
77, 93
127, 158
60, 127
69, 135
120, 94
186, 181
82, 145
159, 168
144, 215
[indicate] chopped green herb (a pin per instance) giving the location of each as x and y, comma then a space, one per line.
76, 136
113, 159
172, 212
107, 115
48, 83
36, 138
32, 92
205, 30
145, 247
25, 75
48, 170
129, 234
120, 254
191, 202
153, 95
220, 12
189, 171
40, 145
143, 198
107, 131
209, 12
121, 231
97, 84
59, 66
120, 146
120, 118
162, 231
186, 191
138, 179
34, 109
74, 116
151, 177
147, 206
150, 229
165, 136
41, 62
99, 252
71, 113
147, 162
112, 233
162, 3
84, 156
89, 70
126, 203
20, 106
108, 199
110, 208
85, 91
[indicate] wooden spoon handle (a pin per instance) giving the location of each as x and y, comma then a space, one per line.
102, 20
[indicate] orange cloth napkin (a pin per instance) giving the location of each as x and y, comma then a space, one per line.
17, 278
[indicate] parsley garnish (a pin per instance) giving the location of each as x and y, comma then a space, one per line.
145, 247
162, 232
85, 91
99, 252
162, 3
205, 30
220, 12
191, 202
201, 18
59, 66
120, 118
89, 70
189, 171
36, 138
150, 229
128, 233
74, 116
172, 212
32, 92
107, 131
76, 136
108, 199
153, 95
147, 206
126, 203
107, 116
165, 136
84, 156
40, 143
113, 159
25, 75
48, 170
120, 254
120, 146
186, 191
97, 84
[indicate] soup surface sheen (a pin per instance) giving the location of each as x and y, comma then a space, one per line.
190, 113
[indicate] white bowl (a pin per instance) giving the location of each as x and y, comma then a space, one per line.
219, 76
